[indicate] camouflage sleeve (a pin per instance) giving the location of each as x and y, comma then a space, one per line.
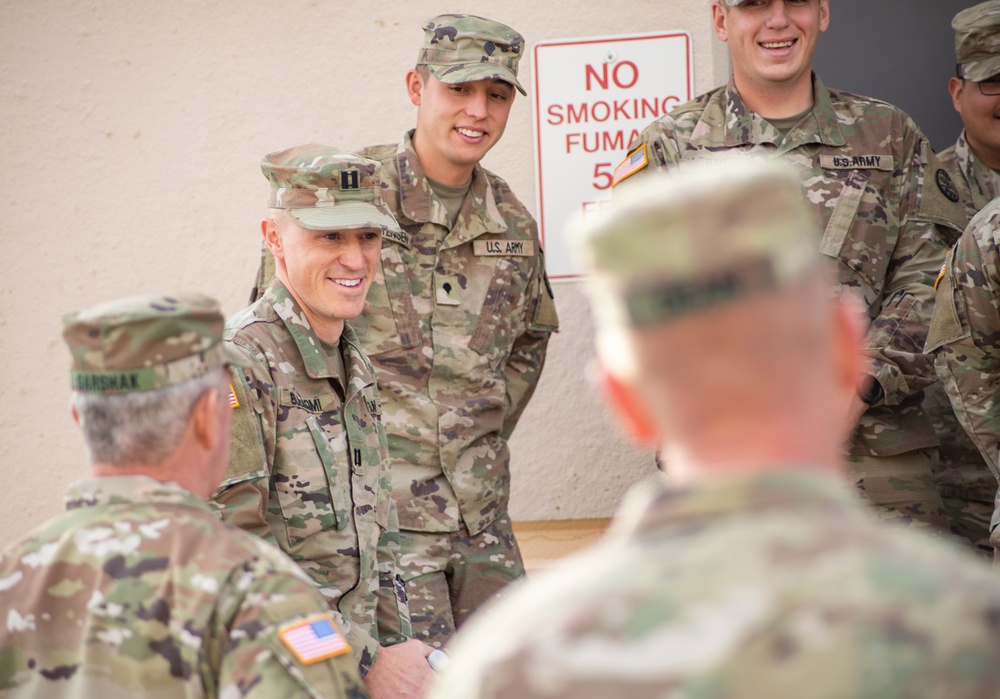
896, 336
265, 637
242, 497
527, 356
964, 336
659, 152
392, 612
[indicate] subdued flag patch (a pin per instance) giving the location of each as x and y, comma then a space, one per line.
234, 402
313, 639
944, 270
633, 162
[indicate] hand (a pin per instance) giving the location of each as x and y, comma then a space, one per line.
400, 671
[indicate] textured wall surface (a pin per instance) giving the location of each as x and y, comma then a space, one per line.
131, 135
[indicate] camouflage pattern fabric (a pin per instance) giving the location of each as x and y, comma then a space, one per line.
964, 331
138, 590
972, 181
862, 164
977, 40
466, 48
450, 574
772, 585
309, 469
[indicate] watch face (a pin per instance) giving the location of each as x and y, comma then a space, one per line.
874, 394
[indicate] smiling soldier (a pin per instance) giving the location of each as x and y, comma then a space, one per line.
309, 469
884, 229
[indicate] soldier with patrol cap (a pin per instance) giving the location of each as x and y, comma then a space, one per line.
753, 573
884, 228
965, 174
971, 166
138, 589
309, 469
456, 323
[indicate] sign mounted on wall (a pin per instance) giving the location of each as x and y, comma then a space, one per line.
592, 98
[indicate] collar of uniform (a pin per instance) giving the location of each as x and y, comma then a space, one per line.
983, 180
115, 490
415, 198
317, 363
741, 129
654, 505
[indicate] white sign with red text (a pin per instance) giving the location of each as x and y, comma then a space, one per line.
592, 98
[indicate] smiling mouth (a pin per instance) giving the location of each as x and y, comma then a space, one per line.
349, 283
778, 44
470, 133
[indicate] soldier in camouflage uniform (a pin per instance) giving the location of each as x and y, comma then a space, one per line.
862, 162
309, 469
138, 589
966, 174
754, 574
456, 323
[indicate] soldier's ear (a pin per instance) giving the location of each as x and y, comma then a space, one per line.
955, 87
272, 237
630, 409
719, 22
414, 87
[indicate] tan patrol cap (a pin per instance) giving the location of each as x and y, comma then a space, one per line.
465, 48
706, 234
977, 40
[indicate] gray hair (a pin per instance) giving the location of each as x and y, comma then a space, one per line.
141, 428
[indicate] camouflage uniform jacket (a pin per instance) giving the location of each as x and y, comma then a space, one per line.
965, 331
862, 163
456, 324
974, 182
773, 585
309, 470
139, 590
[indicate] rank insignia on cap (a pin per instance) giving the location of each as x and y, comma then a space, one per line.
633, 162
234, 402
313, 639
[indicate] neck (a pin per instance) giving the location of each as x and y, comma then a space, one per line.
439, 168
990, 157
328, 330
777, 101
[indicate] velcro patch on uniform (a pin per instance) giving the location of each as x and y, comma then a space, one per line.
234, 402
857, 162
946, 186
504, 248
400, 237
633, 163
944, 270
314, 639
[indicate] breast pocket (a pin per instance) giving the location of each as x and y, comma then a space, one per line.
312, 473
389, 320
502, 312
860, 234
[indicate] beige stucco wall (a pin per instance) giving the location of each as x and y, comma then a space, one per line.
130, 136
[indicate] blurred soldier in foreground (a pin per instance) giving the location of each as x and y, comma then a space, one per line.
863, 163
756, 573
309, 469
139, 590
968, 175
456, 323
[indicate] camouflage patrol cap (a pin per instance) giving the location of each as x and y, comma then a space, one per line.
464, 48
326, 189
701, 236
144, 343
977, 40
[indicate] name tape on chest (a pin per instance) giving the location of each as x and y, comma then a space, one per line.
400, 237
504, 248
313, 639
857, 162
311, 404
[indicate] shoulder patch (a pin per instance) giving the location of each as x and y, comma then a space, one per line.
944, 183
234, 402
633, 163
246, 445
313, 639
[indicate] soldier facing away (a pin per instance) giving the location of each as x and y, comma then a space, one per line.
884, 228
138, 589
309, 469
754, 573
456, 323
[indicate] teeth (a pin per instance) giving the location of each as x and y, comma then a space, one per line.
348, 282
470, 133
776, 44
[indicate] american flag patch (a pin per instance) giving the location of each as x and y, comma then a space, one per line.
631, 165
944, 270
313, 639
234, 403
